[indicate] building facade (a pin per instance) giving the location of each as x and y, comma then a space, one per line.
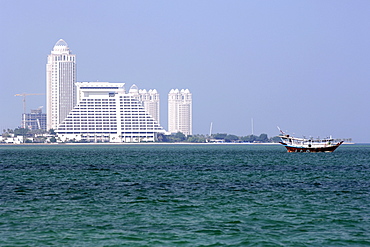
60, 84
106, 113
180, 111
149, 99
34, 120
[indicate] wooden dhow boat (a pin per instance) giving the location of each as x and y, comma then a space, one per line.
294, 145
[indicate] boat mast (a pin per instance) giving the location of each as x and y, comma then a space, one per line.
252, 126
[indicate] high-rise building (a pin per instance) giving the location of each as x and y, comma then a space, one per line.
106, 113
149, 99
180, 111
34, 120
60, 84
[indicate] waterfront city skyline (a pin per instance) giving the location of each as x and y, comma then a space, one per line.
103, 111
300, 65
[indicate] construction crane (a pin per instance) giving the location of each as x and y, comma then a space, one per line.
24, 98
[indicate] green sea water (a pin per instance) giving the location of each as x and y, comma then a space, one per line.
183, 195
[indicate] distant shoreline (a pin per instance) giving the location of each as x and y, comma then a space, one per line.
145, 143
133, 143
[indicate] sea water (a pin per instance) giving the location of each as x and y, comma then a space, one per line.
183, 195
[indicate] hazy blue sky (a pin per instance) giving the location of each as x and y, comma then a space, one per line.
300, 65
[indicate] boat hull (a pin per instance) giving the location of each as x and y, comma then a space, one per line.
297, 149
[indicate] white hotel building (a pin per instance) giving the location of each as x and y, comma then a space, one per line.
60, 84
106, 113
180, 111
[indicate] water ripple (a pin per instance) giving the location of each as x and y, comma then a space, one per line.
183, 195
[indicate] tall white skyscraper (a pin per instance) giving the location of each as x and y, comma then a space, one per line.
60, 84
180, 111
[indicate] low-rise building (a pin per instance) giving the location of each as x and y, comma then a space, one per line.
11, 139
